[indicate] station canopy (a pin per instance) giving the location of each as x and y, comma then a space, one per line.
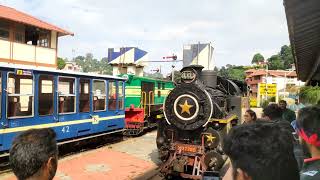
303, 18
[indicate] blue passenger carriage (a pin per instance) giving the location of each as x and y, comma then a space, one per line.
75, 105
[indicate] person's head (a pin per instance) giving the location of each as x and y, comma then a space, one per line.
261, 151
308, 124
34, 154
283, 104
272, 112
250, 116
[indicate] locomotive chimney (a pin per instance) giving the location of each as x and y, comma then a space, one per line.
209, 78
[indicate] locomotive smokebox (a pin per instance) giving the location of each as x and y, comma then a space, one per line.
209, 78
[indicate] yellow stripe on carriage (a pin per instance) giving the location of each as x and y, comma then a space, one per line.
57, 124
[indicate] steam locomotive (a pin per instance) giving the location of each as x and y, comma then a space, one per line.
198, 113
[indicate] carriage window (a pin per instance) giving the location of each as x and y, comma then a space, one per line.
99, 95
159, 85
120, 96
45, 90
67, 95
84, 98
163, 86
112, 99
20, 95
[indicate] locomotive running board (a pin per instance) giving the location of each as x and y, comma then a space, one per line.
225, 120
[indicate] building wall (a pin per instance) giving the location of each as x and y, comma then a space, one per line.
131, 70
5, 49
18, 53
54, 39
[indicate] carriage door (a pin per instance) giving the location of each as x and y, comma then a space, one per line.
147, 96
46, 98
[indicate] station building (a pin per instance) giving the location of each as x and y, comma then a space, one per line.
284, 79
26, 40
127, 60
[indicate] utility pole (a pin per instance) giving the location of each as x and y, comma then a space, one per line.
266, 88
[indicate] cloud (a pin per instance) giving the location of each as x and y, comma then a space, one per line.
237, 29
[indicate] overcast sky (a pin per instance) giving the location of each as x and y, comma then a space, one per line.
237, 28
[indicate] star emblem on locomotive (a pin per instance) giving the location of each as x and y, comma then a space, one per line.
185, 107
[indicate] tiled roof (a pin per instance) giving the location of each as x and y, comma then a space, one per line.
277, 73
20, 17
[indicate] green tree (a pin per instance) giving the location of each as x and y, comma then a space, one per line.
275, 62
310, 94
257, 58
233, 72
105, 67
286, 56
61, 63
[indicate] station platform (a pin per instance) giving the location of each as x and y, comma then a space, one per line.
121, 161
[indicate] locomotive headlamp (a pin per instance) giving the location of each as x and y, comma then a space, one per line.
188, 76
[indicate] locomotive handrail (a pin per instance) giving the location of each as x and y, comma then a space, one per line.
144, 101
151, 94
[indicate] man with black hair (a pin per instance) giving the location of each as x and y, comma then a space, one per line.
34, 155
287, 114
260, 151
274, 113
308, 124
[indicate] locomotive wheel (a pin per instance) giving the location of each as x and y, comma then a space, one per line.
213, 160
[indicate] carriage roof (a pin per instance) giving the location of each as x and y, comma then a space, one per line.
64, 72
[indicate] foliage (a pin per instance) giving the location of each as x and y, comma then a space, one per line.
155, 75
177, 76
275, 62
61, 63
310, 94
266, 102
286, 56
89, 64
282, 60
257, 58
233, 72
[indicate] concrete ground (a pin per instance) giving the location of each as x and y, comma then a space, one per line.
121, 161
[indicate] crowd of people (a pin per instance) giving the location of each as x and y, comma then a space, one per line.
277, 146
266, 148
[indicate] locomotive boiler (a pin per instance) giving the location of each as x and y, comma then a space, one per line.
198, 112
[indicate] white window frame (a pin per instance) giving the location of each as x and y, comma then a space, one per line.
7, 98
62, 95
52, 93
105, 95
122, 92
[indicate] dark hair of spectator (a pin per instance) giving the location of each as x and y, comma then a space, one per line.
309, 121
263, 150
31, 150
252, 114
283, 101
273, 111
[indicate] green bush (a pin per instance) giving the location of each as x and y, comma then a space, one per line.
310, 94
